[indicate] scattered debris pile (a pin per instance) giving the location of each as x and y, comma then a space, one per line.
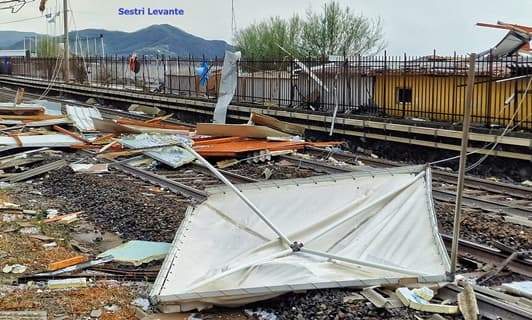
81, 237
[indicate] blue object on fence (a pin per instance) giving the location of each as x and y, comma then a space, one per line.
203, 72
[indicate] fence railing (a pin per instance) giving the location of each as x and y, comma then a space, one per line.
430, 88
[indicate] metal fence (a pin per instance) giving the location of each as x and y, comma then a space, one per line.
426, 88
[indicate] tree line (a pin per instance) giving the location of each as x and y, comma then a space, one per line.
335, 30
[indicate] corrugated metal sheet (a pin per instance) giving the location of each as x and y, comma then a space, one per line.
173, 156
234, 148
82, 117
35, 171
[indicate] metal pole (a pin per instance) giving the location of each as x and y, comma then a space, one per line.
463, 157
66, 53
103, 47
238, 193
359, 262
335, 112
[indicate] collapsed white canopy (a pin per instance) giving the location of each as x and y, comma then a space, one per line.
357, 229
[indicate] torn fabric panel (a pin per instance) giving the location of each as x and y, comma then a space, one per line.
225, 255
227, 85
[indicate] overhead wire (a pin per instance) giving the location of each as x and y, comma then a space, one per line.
58, 60
506, 130
21, 20
73, 20
498, 138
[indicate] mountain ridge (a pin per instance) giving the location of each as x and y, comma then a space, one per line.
162, 39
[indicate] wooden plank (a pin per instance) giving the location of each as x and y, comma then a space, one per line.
111, 126
66, 263
276, 124
237, 130
72, 134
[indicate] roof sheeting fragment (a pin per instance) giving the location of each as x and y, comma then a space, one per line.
382, 220
82, 117
138, 252
172, 156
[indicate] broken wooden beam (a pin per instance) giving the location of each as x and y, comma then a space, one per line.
276, 124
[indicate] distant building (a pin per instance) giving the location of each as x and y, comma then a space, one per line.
5, 59
14, 53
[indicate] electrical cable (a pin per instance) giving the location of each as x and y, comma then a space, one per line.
495, 144
58, 64
506, 130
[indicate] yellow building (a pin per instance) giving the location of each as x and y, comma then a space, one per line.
439, 95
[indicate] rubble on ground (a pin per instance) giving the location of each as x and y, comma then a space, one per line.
80, 239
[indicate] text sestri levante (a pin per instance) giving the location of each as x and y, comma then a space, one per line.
150, 12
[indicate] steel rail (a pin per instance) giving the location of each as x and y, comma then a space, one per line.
486, 254
155, 179
490, 307
472, 182
235, 177
442, 195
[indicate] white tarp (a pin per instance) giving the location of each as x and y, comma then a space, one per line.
227, 85
223, 254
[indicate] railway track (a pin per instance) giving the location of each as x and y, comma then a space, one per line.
438, 175
486, 195
190, 184
498, 192
490, 307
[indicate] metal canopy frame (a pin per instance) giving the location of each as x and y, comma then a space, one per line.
294, 247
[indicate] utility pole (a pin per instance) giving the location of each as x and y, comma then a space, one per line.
463, 157
66, 53
233, 18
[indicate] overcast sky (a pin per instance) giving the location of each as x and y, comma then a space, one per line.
412, 26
